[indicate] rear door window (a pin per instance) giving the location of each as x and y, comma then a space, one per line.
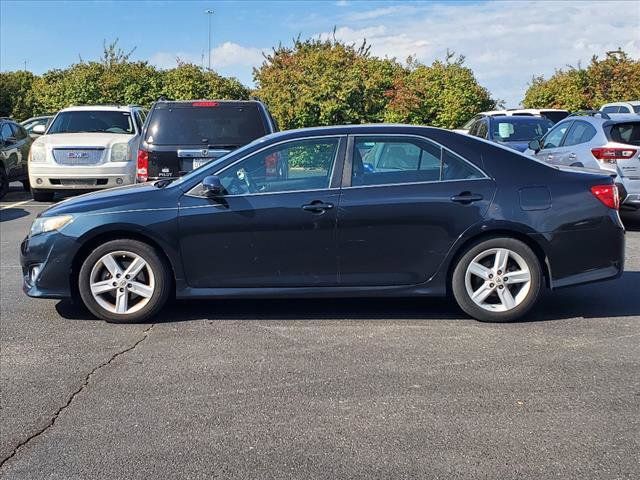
627, 133
611, 109
398, 160
580, 132
212, 124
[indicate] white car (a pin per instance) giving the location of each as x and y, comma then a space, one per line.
621, 108
86, 148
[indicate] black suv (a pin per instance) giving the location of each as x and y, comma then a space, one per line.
179, 136
14, 153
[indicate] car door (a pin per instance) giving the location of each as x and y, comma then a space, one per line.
552, 150
272, 227
572, 152
23, 143
397, 222
10, 150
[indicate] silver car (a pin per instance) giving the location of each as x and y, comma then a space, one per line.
595, 140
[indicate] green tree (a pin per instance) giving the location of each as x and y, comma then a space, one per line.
613, 78
324, 82
188, 81
16, 95
443, 94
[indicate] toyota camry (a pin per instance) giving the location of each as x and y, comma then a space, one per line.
349, 211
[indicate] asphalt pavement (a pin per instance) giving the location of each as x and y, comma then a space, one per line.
367, 388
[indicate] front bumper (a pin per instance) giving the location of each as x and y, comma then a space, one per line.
46, 261
46, 176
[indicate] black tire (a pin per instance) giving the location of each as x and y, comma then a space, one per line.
161, 274
26, 185
42, 195
4, 182
463, 298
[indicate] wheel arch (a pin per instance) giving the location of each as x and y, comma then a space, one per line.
119, 234
537, 249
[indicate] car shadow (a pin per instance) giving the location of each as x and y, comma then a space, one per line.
12, 214
631, 221
615, 298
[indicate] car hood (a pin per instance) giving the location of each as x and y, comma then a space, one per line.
142, 196
519, 146
82, 139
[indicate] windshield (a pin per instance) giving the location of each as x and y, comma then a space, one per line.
205, 123
519, 129
96, 121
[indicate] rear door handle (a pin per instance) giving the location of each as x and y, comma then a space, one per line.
317, 207
467, 197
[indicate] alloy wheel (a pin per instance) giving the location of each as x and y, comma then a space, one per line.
498, 280
122, 282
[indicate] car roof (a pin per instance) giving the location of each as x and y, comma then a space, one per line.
187, 102
613, 104
518, 118
105, 108
360, 129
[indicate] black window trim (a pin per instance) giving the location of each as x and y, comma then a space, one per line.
348, 162
336, 170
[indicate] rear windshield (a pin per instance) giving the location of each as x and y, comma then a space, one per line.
209, 123
627, 133
97, 121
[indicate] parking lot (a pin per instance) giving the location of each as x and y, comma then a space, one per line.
367, 388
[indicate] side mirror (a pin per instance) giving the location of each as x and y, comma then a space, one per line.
38, 129
535, 145
212, 186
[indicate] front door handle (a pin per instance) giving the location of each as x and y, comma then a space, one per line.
549, 158
466, 198
317, 207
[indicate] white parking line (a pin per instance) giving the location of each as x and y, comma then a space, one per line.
12, 205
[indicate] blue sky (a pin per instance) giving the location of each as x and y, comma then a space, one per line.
504, 42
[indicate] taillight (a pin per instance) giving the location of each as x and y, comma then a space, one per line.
143, 166
204, 103
607, 194
612, 155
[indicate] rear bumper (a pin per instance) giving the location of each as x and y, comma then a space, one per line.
585, 255
629, 192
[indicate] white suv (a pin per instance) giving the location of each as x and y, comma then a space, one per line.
86, 148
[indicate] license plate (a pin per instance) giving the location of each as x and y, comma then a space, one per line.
198, 162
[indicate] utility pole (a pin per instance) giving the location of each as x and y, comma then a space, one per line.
209, 14
25, 65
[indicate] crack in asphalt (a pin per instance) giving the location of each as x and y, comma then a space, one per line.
87, 379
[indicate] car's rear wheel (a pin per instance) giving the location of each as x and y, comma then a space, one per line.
497, 280
124, 281
42, 195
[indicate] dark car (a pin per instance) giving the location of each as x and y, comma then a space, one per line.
439, 213
511, 131
14, 153
36, 126
180, 136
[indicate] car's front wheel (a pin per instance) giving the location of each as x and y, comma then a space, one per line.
497, 280
124, 281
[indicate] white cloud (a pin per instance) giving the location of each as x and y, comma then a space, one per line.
505, 43
226, 55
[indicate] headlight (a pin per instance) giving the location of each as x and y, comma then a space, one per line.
37, 153
48, 224
120, 152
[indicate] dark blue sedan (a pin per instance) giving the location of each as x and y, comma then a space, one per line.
354, 211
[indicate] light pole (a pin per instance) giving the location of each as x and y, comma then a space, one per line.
209, 13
